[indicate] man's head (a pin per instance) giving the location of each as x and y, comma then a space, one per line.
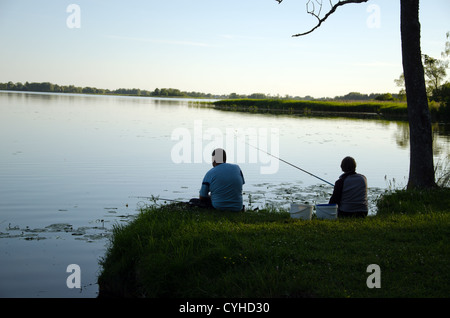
218, 156
348, 164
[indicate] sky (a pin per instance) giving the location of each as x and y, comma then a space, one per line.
211, 46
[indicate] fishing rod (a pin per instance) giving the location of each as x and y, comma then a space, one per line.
291, 164
152, 198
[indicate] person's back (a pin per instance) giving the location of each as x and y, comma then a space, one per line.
354, 194
224, 181
350, 191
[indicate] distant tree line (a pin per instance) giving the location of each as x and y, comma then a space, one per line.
173, 92
55, 88
354, 96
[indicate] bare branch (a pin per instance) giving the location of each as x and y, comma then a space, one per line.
317, 15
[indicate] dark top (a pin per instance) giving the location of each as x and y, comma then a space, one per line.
350, 193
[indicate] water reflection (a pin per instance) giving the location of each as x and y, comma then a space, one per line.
439, 130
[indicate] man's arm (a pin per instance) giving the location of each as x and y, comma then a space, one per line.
204, 192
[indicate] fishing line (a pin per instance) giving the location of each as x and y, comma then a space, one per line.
290, 164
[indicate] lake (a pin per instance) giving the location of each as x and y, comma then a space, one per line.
73, 166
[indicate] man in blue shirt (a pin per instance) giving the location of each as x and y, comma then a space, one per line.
222, 185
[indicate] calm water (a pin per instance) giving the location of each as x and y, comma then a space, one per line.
72, 165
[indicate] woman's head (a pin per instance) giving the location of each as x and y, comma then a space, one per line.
348, 164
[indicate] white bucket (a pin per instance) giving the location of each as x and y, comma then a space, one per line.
301, 211
326, 211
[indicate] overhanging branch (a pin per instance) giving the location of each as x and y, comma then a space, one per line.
317, 15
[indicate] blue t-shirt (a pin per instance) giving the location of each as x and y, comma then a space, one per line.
225, 182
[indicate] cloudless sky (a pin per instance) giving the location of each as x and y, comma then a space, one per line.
212, 46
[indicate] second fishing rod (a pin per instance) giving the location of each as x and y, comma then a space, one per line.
292, 165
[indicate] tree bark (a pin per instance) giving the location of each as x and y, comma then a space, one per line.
421, 167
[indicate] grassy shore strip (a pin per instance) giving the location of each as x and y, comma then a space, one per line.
394, 110
175, 251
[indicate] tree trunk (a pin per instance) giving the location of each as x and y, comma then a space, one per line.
421, 167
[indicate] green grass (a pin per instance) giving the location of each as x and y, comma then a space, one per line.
384, 109
415, 202
305, 106
174, 251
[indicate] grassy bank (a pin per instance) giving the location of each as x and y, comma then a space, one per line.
174, 251
388, 110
